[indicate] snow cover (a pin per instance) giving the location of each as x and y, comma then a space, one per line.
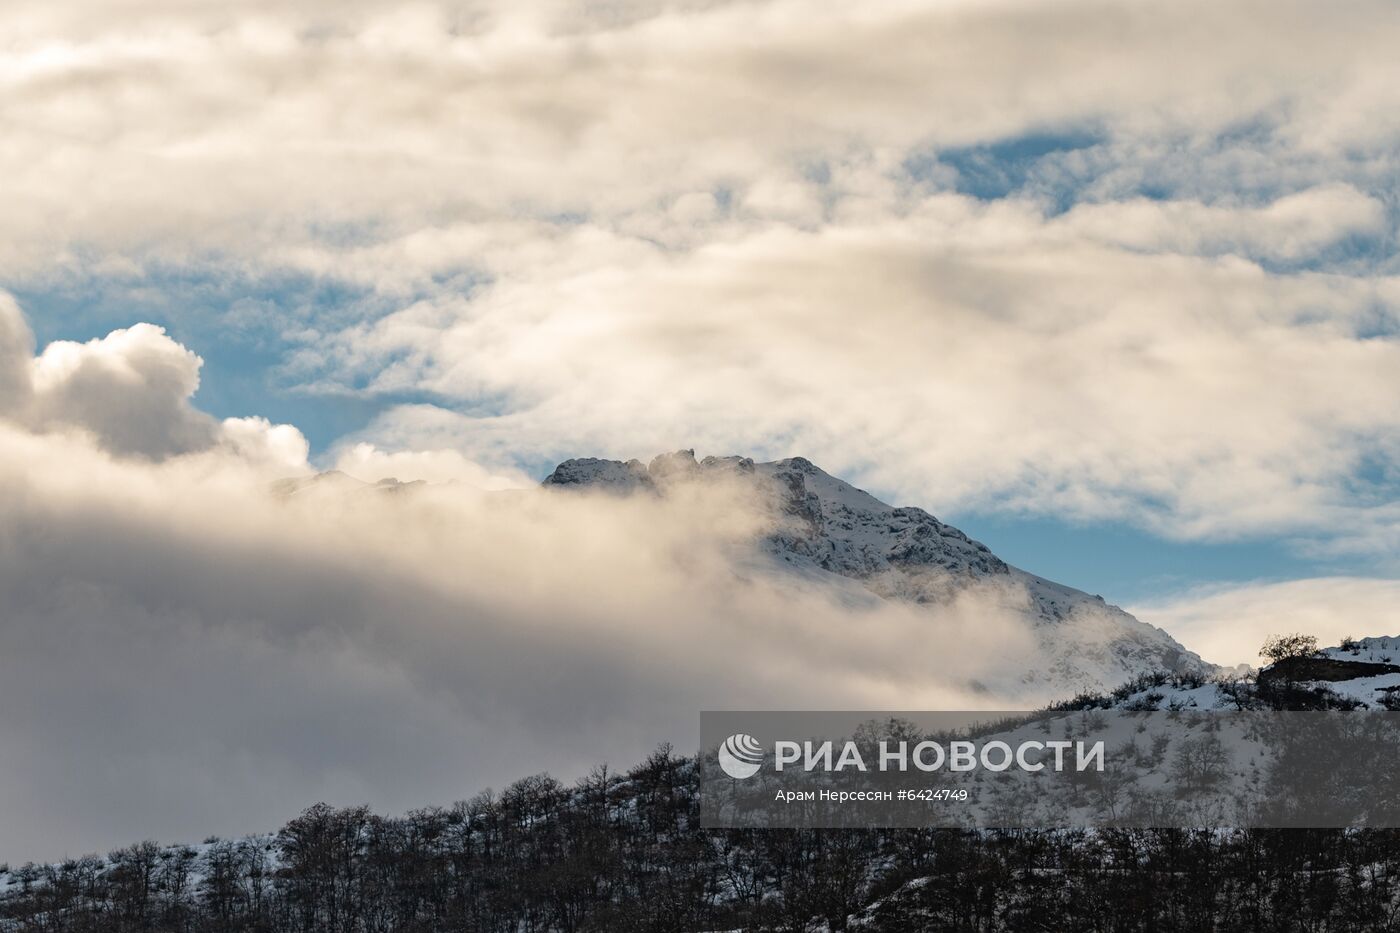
1366, 690
1378, 650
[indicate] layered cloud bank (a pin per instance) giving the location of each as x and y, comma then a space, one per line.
963, 350
1102, 260
658, 117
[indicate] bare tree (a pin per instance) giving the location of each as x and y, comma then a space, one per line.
1286, 647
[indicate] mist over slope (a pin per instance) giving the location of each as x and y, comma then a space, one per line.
230, 646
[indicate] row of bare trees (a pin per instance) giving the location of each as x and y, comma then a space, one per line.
621, 853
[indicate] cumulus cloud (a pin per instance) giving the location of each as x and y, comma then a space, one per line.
1229, 623
130, 391
130, 388
258, 440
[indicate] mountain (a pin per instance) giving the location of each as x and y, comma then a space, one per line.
834, 534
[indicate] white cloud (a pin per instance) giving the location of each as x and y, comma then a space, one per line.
130, 388
174, 130
258, 440
1228, 624
966, 354
131, 392
16, 354
370, 464
1292, 227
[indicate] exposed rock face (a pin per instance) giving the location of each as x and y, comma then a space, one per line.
826, 525
591, 471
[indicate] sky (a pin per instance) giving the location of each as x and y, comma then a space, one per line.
1112, 286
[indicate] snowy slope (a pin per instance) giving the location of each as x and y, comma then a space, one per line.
1358, 674
1371, 688
827, 528
1378, 650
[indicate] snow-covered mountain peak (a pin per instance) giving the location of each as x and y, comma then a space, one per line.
827, 521
834, 494
824, 525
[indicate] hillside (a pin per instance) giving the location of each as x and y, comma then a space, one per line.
621, 852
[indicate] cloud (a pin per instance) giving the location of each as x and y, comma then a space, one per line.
257, 440
965, 355
743, 226
16, 352
177, 131
130, 388
130, 391
1228, 624
367, 462
1292, 227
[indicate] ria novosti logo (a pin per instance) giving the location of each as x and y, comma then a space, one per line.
741, 755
